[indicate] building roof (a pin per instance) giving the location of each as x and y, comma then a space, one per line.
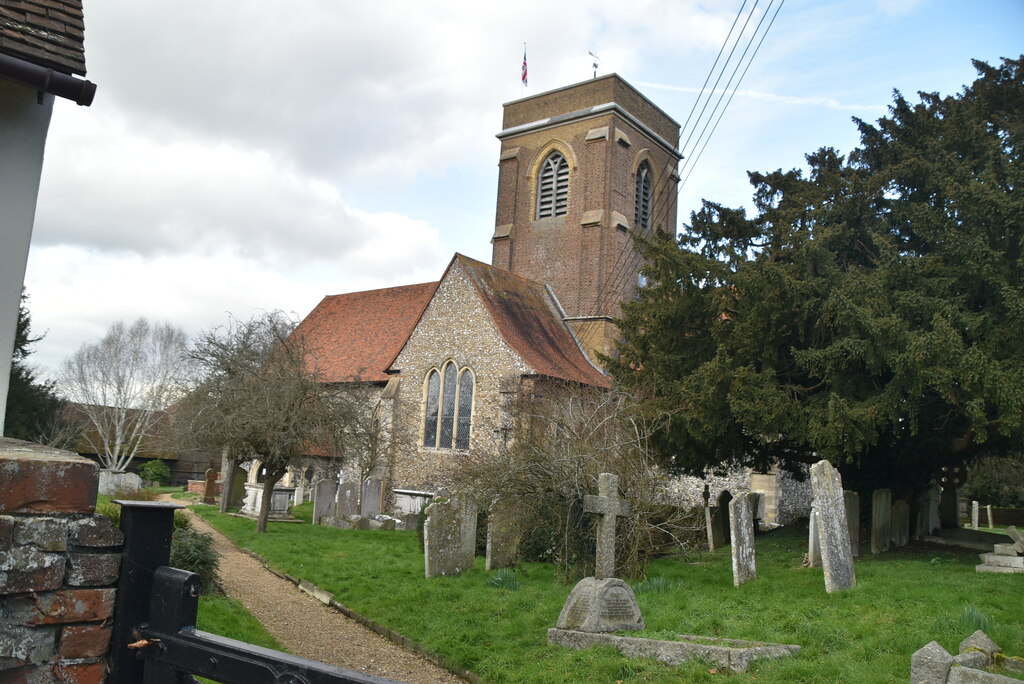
530, 321
49, 33
355, 336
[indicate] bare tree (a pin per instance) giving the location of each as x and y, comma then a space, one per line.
122, 384
562, 438
257, 396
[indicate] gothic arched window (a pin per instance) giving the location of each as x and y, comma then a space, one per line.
449, 407
553, 186
642, 214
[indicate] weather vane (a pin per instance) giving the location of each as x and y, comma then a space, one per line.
597, 60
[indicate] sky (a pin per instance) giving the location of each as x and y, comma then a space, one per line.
255, 155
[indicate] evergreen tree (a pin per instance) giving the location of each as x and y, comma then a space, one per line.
32, 405
870, 313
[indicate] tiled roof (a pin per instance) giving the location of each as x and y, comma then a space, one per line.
529, 321
49, 33
355, 336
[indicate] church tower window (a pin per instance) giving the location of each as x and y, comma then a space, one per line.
449, 407
642, 215
553, 186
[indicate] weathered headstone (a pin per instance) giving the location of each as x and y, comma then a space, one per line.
713, 522
300, 491
410, 521
601, 605
370, 503
1018, 539
974, 514
325, 496
834, 533
881, 520
741, 534
609, 506
503, 535
900, 523
210, 486
348, 499
988, 508
449, 536
852, 503
236, 492
813, 541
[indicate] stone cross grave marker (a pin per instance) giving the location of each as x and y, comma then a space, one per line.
741, 533
833, 532
210, 487
609, 506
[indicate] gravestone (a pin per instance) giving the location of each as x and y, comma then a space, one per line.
881, 520
370, 503
741, 534
609, 506
503, 535
236, 494
600, 605
900, 523
603, 603
833, 532
852, 503
713, 522
988, 508
926, 507
949, 514
449, 536
300, 491
410, 521
325, 495
813, 541
348, 499
280, 501
974, 514
210, 486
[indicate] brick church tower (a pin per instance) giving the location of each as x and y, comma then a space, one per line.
582, 168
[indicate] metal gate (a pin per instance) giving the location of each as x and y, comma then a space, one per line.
155, 640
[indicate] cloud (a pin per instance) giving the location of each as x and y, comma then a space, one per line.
826, 102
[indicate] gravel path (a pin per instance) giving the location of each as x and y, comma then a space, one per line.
310, 629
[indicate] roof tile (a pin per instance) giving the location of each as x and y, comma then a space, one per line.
45, 32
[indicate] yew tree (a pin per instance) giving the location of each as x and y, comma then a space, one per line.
870, 311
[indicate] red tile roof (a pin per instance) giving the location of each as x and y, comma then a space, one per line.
355, 336
530, 322
48, 33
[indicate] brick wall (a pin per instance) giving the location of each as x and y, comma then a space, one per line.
59, 564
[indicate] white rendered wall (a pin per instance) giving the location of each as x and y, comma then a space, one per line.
23, 126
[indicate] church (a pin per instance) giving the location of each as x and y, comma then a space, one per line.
582, 170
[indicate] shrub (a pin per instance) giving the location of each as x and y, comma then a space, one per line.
193, 551
156, 470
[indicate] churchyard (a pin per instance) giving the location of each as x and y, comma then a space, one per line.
496, 627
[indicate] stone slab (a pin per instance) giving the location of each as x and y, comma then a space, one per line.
930, 664
900, 523
881, 520
1018, 538
998, 569
727, 653
1005, 561
833, 531
1005, 549
600, 605
449, 536
348, 499
852, 502
741, 524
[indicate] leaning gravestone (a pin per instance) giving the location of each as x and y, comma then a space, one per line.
503, 535
834, 533
741, 534
900, 523
602, 603
449, 537
325, 494
881, 520
370, 503
210, 486
852, 502
713, 522
348, 499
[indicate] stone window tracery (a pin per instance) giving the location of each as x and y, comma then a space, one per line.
642, 213
449, 407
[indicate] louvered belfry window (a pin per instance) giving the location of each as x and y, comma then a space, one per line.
553, 187
449, 407
642, 216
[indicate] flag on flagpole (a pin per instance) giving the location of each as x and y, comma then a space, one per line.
524, 65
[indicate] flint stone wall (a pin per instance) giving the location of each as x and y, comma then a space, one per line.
791, 498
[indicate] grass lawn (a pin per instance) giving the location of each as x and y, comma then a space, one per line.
866, 634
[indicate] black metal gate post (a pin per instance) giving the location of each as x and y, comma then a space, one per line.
147, 528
